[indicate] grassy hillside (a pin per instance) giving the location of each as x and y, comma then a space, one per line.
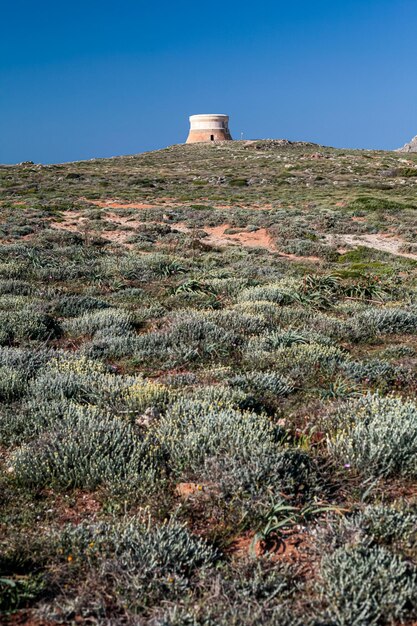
207, 376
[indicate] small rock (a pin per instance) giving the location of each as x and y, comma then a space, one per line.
148, 417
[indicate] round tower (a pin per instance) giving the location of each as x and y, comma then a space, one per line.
209, 128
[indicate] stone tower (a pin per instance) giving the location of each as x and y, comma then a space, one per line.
209, 128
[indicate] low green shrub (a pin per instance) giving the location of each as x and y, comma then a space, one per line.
369, 203
387, 320
13, 384
73, 305
362, 585
112, 321
85, 449
377, 436
386, 524
263, 383
189, 337
16, 592
140, 564
27, 325
379, 373
282, 293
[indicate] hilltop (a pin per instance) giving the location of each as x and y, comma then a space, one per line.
233, 181
208, 374
410, 147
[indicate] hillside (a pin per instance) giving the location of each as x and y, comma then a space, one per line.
411, 146
208, 375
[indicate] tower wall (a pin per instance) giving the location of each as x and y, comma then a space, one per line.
209, 128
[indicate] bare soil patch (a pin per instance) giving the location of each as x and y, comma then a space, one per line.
72, 221
386, 242
217, 236
114, 204
295, 548
257, 239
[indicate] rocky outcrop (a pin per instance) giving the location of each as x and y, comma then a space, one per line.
409, 147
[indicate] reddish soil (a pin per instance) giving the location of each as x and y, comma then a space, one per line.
84, 506
188, 490
185, 490
113, 204
295, 548
25, 617
257, 239
124, 220
169, 202
73, 222
396, 491
243, 546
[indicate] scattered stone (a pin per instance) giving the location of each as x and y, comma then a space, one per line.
148, 417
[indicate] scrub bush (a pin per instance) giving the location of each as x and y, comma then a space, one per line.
189, 337
240, 323
138, 546
27, 325
85, 449
105, 345
250, 481
260, 383
12, 384
282, 293
138, 563
73, 305
87, 382
363, 585
380, 373
27, 361
386, 524
388, 320
112, 321
16, 287
377, 436
193, 430
299, 358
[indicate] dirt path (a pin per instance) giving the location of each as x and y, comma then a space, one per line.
380, 241
114, 204
168, 203
73, 221
257, 239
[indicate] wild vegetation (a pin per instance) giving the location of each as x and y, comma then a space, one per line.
207, 382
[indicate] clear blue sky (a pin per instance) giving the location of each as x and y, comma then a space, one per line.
94, 78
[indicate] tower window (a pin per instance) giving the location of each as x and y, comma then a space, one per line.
211, 137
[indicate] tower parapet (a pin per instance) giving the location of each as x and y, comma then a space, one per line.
208, 128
